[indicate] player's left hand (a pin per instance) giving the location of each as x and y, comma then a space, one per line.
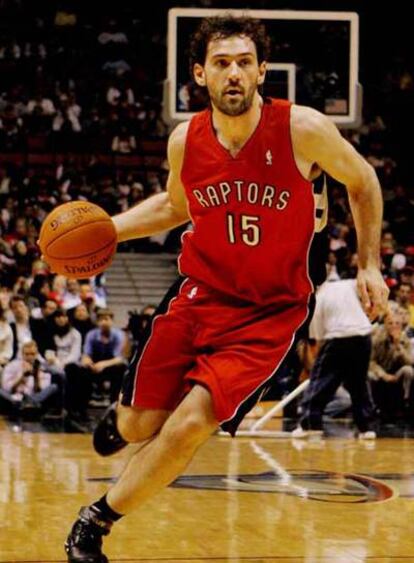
373, 291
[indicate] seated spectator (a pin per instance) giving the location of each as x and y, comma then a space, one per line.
65, 352
81, 320
22, 287
124, 142
136, 326
24, 386
42, 327
58, 289
17, 231
6, 340
40, 112
11, 130
39, 291
23, 259
391, 371
39, 102
71, 296
90, 298
103, 351
103, 363
66, 342
403, 297
22, 327
5, 297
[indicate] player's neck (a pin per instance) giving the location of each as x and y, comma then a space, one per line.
234, 131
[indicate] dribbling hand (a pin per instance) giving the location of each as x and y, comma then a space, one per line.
372, 291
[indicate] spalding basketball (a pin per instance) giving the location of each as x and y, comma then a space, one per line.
78, 239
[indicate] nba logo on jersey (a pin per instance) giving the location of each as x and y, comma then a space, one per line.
269, 158
193, 293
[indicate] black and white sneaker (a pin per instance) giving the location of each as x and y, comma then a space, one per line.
84, 543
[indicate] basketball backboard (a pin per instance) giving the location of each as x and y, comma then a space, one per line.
314, 61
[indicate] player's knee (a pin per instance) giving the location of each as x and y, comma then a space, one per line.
190, 431
134, 426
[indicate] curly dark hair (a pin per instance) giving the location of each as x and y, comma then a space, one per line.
220, 27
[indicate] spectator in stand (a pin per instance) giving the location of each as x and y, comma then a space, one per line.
388, 244
7, 264
42, 327
81, 320
66, 348
6, 341
103, 352
22, 288
41, 104
11, 130
58, 289
94, 127
102, 364
23, 259
66, 125
137, 323
17, 231
406, 275
22, 327
38, 292
5, 297
124, 142
391, 371
404, 296
24, 386
66, 341
154, 126
71, 297
90, 298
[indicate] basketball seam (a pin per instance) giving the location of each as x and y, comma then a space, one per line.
71, 231
54, 213
82, 255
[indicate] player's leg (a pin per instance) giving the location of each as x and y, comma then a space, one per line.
163, 356
150, 469
122, 425
167, 455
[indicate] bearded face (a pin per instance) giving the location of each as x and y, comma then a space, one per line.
231, 74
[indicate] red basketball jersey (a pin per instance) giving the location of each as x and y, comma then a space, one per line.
253, 214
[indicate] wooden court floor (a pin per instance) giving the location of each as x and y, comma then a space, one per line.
265, 500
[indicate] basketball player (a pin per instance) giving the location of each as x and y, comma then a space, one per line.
242, 172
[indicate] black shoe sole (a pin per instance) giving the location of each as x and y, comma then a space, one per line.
102, 558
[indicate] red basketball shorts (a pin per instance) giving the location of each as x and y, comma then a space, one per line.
198, 336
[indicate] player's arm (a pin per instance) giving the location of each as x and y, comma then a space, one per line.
317, 140
162, 211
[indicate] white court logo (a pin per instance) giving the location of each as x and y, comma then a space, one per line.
269, 158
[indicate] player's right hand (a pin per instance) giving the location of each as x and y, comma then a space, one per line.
373, 291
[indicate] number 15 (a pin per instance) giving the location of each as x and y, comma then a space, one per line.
249, 229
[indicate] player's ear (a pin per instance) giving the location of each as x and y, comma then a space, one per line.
199, 75
262, 73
